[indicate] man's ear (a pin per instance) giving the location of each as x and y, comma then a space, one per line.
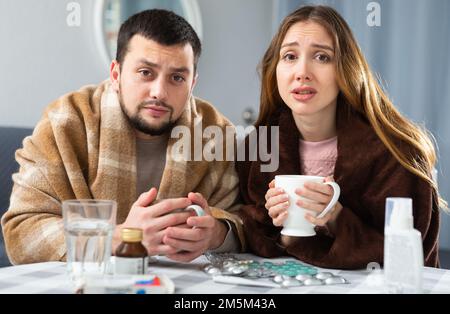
194, 81
114, 75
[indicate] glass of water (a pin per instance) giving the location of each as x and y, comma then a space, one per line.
88, 228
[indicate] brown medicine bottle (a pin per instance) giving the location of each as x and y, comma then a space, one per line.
131, 256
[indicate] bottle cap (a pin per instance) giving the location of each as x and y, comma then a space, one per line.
399, 213
131, 235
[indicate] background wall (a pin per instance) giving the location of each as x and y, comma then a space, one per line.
44, 58
235, 36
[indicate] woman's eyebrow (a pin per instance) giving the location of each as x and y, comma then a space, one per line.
315, 45
322, 46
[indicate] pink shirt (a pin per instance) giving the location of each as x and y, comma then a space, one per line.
318, 158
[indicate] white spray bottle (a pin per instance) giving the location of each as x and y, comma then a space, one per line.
403, 252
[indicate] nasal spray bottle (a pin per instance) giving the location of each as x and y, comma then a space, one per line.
403, 252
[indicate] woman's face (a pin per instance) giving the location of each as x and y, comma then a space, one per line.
306, 74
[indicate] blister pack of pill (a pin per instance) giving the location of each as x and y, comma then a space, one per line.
319, 279
286, 273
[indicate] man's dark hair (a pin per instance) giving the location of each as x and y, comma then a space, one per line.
164, 27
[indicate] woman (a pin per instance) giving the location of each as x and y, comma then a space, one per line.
334, 121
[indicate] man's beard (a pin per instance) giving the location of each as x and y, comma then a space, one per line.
139, 123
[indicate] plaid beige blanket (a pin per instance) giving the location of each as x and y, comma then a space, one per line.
84, 148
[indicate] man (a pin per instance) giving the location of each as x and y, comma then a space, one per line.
113, 141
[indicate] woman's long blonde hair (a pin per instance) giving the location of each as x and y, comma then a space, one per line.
360, 90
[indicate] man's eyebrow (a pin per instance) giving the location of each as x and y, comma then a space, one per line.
296, 44
148, 63
180, 70
155, 65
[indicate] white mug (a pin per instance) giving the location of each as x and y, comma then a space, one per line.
295, 224
195, 208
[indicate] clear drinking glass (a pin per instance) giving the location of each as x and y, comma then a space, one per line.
88, 228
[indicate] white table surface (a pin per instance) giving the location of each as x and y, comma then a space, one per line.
51, 278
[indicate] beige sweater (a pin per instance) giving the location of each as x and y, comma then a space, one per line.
84, 148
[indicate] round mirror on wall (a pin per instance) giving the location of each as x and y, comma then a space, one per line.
110, 14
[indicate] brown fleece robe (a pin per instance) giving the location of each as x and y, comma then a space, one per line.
367, 173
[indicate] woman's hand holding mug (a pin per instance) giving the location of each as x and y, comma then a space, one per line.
301, 202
